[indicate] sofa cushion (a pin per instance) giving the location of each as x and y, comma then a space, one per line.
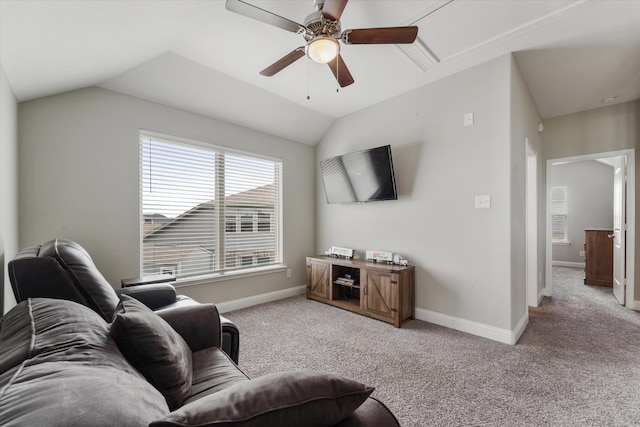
213, 371
306, 399
154, 348
64, 368
16, 331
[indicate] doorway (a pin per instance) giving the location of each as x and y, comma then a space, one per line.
623, 219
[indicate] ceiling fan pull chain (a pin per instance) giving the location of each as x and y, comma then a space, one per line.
308, 81
417, 92
337, 75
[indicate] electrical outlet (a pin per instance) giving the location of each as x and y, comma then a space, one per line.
289, 273
583, 253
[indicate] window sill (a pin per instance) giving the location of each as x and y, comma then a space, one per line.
228, 275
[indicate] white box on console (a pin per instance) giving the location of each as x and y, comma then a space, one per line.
345, 252
380, 256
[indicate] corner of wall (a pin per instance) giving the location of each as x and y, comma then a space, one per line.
8, 186
523, 128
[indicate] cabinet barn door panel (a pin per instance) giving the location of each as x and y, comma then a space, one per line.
380, 294
318, 279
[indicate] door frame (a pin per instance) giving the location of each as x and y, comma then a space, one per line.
630, 208
533, 299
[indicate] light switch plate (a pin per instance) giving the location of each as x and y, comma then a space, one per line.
483, 202
468, 119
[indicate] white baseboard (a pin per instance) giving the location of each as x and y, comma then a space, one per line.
568, 264
237, 304
520, 327
491, 332
635, 305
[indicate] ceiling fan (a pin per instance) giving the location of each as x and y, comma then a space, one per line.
322, 32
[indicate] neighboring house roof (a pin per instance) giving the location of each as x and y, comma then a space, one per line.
156, 217
260, 197
173, 256
153, 221
256, 197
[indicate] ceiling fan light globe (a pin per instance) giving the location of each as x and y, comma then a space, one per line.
322, 49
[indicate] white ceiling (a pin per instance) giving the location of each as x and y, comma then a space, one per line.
197, 56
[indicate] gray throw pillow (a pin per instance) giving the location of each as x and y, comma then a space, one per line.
305, 399
154, 348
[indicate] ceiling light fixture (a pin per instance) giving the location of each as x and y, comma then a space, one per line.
322, 49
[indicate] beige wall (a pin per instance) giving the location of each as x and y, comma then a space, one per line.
594, 131
469, 262
78, 173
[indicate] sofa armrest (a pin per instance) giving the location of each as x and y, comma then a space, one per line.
199, 324
146, 280
153, 296
230, 339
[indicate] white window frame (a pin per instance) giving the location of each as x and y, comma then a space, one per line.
220, 269
560, 215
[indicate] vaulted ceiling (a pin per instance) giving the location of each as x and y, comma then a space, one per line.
200, 57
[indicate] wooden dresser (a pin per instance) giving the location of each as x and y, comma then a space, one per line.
598, 248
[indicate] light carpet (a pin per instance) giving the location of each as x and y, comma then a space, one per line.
576, 364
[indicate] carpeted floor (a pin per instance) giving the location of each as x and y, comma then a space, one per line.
577, 363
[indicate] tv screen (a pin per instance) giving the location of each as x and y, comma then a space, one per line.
363, 176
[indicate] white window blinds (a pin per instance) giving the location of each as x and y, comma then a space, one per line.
559, 230
207, 209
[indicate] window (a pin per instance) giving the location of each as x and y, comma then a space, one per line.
264, 221
246, 221
205, 208
559, 229
231, 223
231, 261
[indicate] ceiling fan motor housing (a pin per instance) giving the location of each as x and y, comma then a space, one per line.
316, 25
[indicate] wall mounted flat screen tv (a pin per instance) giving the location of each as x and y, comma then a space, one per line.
363, 176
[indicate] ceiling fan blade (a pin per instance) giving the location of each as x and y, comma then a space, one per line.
340, 70
283, 62
388, 35
254, 12
332, 9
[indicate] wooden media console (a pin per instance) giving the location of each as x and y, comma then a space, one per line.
383, 291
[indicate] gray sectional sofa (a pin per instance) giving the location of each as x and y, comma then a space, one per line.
62, 364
